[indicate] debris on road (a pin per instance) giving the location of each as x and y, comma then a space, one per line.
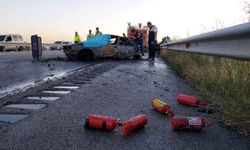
106, 123
192, 123
162, 107
133, 124
194, 102
189, 123
101, 122
209, 109
190, 101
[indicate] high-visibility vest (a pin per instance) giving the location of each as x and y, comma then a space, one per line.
77, 38
90, 36
99, 33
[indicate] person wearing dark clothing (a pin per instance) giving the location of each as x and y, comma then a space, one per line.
140, 42
137, 37
152, 40
141, 39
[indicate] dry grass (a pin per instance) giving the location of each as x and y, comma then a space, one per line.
225, 82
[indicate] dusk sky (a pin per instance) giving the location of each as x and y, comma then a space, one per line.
59, 19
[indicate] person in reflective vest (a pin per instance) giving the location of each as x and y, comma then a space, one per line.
98, 32
77, 38
90, 35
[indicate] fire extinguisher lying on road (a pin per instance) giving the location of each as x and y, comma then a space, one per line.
162, 107
190, 101
101, 122
190, 123
110, 123
193, 123
133, 124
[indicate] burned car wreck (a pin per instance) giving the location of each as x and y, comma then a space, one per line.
102, 46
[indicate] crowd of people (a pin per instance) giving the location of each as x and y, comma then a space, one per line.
137, 37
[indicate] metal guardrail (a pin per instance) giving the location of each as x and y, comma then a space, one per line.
232, 42
26, 44
17, 45
14, 44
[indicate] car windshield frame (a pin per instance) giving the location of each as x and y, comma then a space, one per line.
58, 42
2, 37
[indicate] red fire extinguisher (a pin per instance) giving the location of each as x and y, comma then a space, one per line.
191, 123
190, 101
101, 122
162, 107
133, 124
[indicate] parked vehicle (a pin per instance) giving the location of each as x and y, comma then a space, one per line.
59, 45
102, 46
12, 38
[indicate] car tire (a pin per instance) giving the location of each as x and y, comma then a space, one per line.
2, 49
27, 48
85, 55
20, 48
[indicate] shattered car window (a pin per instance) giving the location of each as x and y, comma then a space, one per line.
2, 38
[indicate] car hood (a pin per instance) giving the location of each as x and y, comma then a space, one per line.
98, 41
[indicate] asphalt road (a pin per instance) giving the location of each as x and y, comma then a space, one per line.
17, 69
122, 89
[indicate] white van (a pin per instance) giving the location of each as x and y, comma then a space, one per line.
11, 38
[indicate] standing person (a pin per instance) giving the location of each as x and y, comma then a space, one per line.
137, 38
77, 38
98, 32
134, 37
152, 40
90, 35
140, 40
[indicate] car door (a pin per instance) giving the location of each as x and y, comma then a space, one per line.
9, 39
109, 50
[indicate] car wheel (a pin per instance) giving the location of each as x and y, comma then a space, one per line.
27, 48
2, 49
85, 55
20, 48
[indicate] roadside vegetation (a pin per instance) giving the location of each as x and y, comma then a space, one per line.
225, 82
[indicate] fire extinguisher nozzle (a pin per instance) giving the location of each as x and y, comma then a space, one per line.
86, 124
170, 113
119, 122
203, 103
125, 131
